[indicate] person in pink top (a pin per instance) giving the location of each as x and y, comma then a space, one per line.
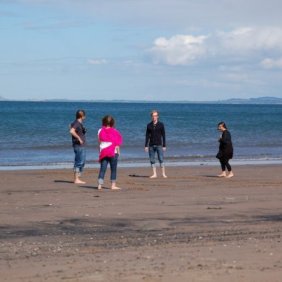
110, 141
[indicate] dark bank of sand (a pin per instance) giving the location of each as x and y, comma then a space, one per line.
189, 227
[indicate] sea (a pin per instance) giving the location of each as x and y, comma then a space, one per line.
36, 134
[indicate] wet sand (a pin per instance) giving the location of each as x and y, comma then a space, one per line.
189, 227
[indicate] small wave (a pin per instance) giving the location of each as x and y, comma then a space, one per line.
140, 163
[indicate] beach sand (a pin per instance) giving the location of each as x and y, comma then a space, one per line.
189, 227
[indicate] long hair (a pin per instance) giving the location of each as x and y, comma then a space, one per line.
223, 124
108, 121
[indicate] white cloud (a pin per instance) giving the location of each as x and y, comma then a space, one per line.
249, 39
245, 43
179, 49
271, 63
97, 61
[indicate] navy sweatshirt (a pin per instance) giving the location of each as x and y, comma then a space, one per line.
155, 134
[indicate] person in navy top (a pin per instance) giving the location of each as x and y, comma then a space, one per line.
78, 131
155, 142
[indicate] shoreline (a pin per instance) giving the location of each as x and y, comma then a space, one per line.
142, 164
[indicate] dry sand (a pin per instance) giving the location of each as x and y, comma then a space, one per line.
189, 227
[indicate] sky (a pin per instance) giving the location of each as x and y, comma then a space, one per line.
168, 50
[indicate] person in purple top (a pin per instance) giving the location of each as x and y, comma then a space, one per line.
78, 131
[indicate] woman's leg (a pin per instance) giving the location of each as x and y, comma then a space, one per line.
79, 162
152, 153
103, 169
228, 166
159, 150
113, 165
223, 166
161, 159
230, 174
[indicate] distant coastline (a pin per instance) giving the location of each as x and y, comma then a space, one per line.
234, 101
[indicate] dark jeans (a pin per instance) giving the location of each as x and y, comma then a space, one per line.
225, 164
103, 168
152, 155
79, 158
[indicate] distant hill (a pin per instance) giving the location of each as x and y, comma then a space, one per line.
260, 100
235, 101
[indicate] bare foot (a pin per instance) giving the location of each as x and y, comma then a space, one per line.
153, 176
78, 181
223, 174
164, 176
230, 175
99, 187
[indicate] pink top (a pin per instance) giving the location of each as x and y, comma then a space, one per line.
109, 138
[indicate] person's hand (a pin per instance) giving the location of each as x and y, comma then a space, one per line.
80, 141
164, 149
146, 149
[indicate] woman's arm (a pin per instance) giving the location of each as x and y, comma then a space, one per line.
147, 137
163, 136
75, 135
225, 138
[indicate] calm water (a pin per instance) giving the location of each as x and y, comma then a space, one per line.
36, 133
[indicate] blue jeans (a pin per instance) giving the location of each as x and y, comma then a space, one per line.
152, 154
79, 158
103, 168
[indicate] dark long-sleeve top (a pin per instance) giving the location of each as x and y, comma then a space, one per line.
225, 145
155, 134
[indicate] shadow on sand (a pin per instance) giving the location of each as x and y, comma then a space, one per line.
63, 181
137, 175
211, 176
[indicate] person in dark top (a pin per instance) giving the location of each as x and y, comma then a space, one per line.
225, 152
155, 142
78, 131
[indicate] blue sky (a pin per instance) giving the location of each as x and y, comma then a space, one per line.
135, 50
